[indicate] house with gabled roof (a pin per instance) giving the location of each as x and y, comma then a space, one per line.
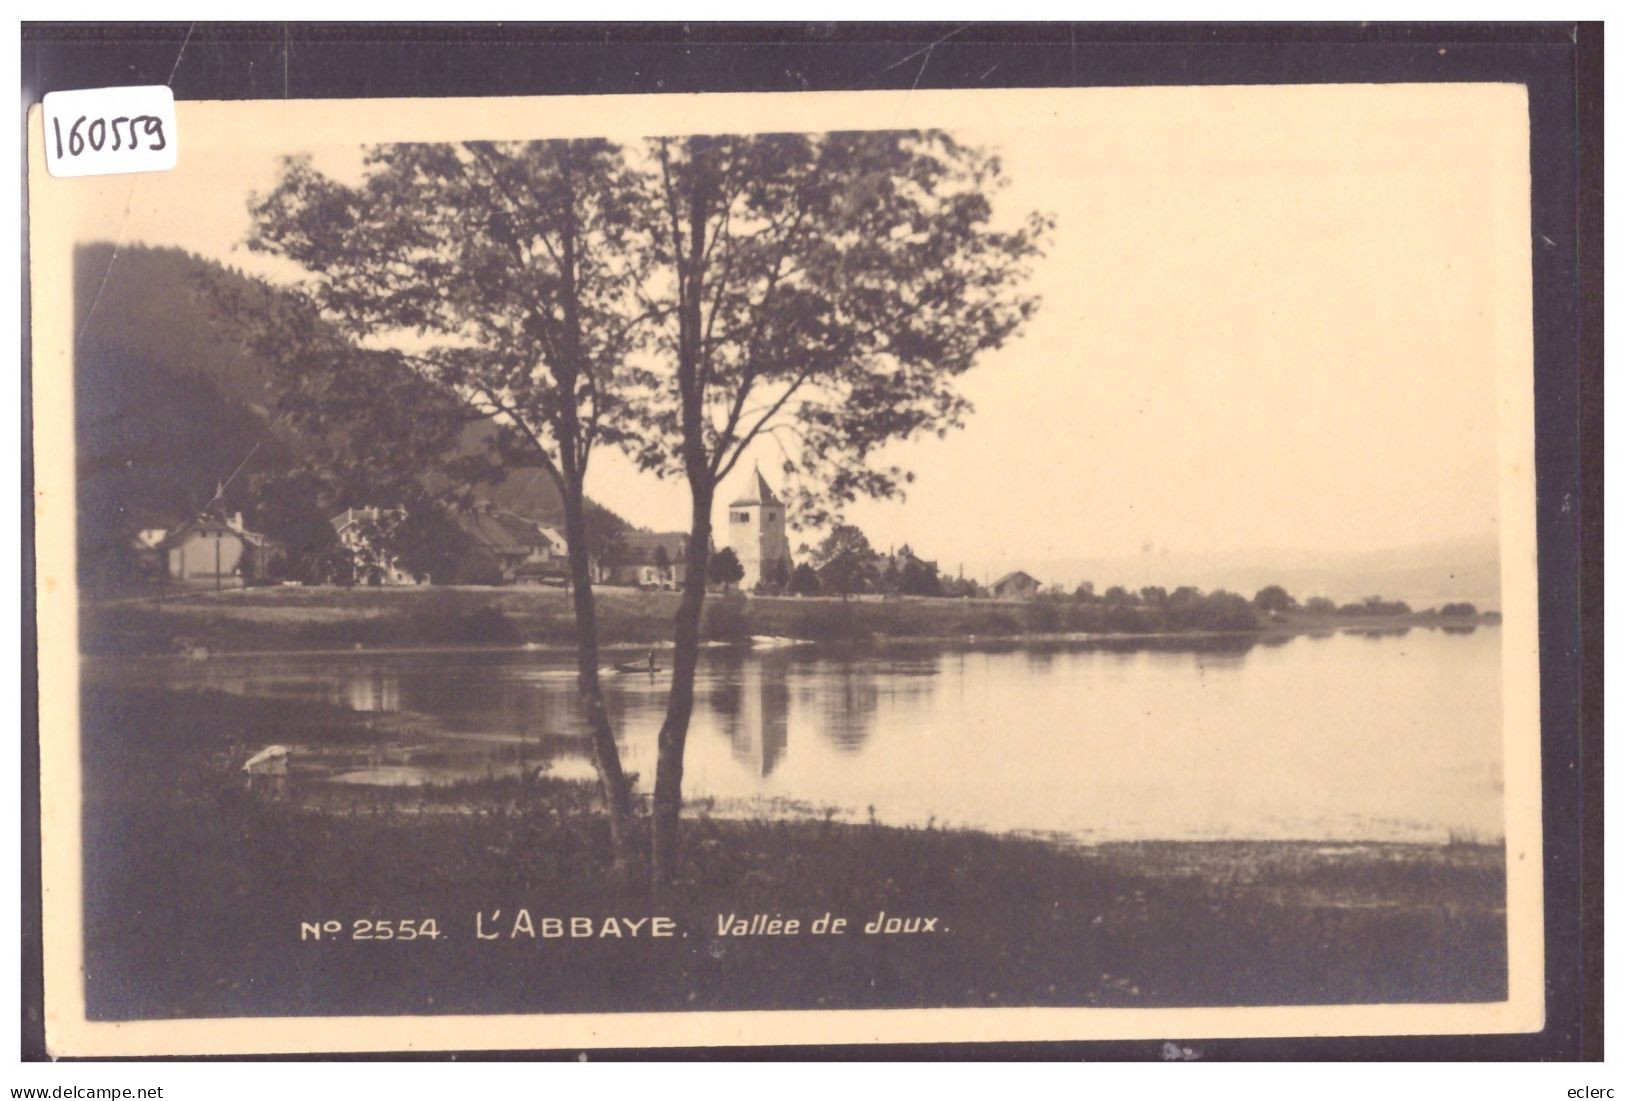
214, 548
1019, 585
522, 550
650, 560
361, 531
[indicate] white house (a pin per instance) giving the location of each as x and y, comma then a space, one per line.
357, 528
214, 548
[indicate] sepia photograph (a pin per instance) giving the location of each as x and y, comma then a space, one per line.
1004, 564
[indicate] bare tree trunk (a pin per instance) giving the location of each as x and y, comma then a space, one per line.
668, 801
612, 785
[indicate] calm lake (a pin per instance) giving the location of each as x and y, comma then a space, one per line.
1342, 737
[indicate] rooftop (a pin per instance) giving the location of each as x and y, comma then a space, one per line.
638, 547
759, 493
502, 532
370, 514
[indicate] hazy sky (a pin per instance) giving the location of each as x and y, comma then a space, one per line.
1265, 323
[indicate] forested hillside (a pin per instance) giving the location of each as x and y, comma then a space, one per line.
172, 402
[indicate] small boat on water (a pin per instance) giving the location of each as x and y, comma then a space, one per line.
646, 666
271, 759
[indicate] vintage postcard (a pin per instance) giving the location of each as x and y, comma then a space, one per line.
761, 569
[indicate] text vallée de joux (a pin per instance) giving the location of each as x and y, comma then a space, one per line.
525, 926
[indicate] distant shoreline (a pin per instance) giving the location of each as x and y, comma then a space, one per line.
331, 619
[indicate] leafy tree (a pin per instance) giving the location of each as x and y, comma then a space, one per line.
1462, 608
804, 581
331, 564
1153, 596
606, 536
280, 566
1225, 611
775, 576
1084, 593
286, 505
1376, 605
1320, 605
112, 563
919, 578
662, 562
1273, 598
845, 561
824, 290
514, 269
429, 543
1118, 596
726, 569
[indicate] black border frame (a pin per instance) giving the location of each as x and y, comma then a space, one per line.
1561, 65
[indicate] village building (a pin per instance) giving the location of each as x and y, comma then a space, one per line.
756, 532
518, 550
649, 560
900, 559
145, 549
147, 540
1019, 585
902, 572
840, 577
549, 561
358, 529
217, 549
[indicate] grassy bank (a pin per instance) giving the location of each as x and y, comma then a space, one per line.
320, 617
197, 889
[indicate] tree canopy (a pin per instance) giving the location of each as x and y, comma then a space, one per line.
1273, 598
726, 568
845, 561
827, 291
510, 264
804, 580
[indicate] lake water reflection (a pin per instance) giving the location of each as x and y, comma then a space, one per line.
1337, 737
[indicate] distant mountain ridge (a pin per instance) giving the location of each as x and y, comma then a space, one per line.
170, 402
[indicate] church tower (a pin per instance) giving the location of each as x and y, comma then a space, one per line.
756, 532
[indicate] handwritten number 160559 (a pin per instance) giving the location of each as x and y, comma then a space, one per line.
109, 134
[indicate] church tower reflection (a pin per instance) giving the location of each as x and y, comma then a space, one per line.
851, 697
753, 708
373, 691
